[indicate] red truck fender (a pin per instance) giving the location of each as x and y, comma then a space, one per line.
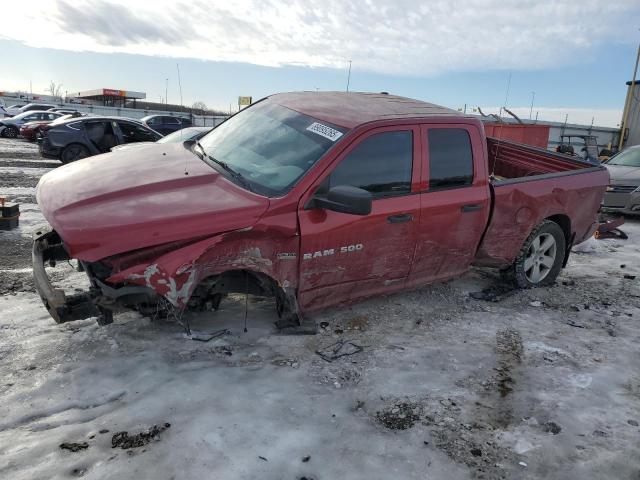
176, 274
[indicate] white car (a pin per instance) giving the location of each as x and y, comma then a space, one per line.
18, 109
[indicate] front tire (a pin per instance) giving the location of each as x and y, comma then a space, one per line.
74, 152
540, 259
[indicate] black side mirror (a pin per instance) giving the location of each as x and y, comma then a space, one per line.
345, 199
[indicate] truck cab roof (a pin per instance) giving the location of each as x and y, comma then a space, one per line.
351, 109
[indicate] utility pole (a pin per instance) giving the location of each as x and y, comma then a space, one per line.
349, 76
533, 96
625, 114
166, 90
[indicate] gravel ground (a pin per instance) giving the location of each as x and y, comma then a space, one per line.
542, 383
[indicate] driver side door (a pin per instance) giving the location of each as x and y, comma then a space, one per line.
343, 256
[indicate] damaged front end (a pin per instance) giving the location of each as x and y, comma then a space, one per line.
156, 281
100, 301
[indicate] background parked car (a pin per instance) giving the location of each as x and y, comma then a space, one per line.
13, 111
190, 133
64, 111
166, 124
10, 127
78, 138
32, 130
623, 192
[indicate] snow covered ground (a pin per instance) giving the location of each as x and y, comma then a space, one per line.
543, 383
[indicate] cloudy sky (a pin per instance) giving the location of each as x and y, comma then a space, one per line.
576, 55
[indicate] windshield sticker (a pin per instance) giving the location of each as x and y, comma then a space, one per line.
324, 131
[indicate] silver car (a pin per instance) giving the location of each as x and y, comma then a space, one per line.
10, 127
623, 192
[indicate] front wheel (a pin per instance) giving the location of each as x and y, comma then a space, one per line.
540, 259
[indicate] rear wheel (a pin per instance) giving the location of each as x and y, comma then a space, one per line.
540, 259
10, 132
74, 152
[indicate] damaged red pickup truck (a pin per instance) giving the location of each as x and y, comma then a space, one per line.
314, 199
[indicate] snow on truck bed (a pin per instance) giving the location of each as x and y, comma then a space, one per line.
542, 383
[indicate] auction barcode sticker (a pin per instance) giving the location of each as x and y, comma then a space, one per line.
327, 132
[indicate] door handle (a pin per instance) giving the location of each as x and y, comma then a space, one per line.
406, 217
471, 208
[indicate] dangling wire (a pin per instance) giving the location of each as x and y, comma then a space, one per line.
246, 299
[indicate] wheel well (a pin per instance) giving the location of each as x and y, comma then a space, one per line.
238, 281
244, 281
72, 144
565, 224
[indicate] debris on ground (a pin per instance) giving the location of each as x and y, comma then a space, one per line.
494, 293
339, 349
125, 441
74, 446
400, 415
205, 337
551, 427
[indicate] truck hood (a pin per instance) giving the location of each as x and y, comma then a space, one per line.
624, 175
130, 199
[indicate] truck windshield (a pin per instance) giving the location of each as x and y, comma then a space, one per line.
628, 158
270, 146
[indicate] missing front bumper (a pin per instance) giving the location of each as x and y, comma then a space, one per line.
47, 246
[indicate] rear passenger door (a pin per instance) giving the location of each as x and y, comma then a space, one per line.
342, 256
454, 201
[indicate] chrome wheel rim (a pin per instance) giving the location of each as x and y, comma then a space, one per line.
540, 258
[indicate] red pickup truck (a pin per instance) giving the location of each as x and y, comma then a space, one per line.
315, 199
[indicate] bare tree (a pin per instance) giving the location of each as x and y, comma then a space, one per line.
199, 105
55, 89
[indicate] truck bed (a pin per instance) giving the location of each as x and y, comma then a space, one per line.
529, 185
509, 160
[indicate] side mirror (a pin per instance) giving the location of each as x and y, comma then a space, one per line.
345, 199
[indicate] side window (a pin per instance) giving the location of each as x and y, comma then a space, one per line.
380, 164
450, 158
170, 121
31, 118
135, 133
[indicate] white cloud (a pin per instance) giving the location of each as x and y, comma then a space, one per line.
601, 117
390, 36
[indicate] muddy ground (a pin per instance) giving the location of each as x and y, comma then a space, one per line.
543, 383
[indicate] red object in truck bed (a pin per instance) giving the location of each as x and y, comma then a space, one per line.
534, 135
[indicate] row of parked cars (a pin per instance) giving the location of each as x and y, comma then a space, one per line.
68, 135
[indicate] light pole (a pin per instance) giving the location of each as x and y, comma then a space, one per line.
166, 89
533, 96
349, 76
